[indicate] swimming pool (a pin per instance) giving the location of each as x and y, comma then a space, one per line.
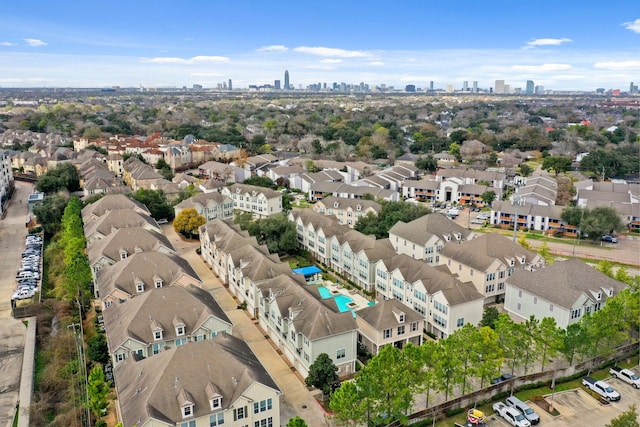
342, 301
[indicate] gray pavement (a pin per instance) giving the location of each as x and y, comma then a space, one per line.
297, 400
12, 332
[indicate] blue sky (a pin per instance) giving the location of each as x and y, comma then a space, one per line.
563, 45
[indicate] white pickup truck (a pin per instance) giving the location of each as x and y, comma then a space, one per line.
626, 375
511, 415
602, 388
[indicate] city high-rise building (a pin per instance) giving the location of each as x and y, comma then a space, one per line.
539, 90
276, 84
465, 86
633, 89
530, 87
230, 86
499, 87
431, 86
475, 86
286, 80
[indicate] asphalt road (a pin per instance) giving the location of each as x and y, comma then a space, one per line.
12, 332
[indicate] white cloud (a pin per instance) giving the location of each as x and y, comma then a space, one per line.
273, 48
547, 42
618, 65
375, 63
331, 61
35, 42
7, 44
329, 51
544, 68
633, 26
11, 80
194, 60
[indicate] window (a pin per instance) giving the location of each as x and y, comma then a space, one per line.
489, 288
267, 422
386, 333
216, 420
519, 306
156, 348
158, 283
139, 287
187, 411
216, 402
180, 330
191, 423
414, 326
157, 335
460, 322
550, 307
123, 255
120, 357
401, 318
401, 330
520, 293
535, 300
576, 313
262, 406
491, 276
500, 286
341, 354
180, 341
240, 413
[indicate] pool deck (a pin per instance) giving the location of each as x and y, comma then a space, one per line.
359, 300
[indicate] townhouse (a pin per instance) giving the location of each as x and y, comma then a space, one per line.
222, 172
123, 242
141, 272
208, 383
110, 202
424, 237
566, 291
115, 220
346, 211
302, 325
161, 319
389, 322
488, 261
210, 205
446, 302
319, 190
138, 175
259, 201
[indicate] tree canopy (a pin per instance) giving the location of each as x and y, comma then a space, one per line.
323, 373
156, 202
593, 222
49, 212
260, 181
390, 213
188, 222
275, 231
63, 176
557, 164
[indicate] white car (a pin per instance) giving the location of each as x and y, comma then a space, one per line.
478, 221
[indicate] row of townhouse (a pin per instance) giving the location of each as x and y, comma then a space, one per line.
620, 195
374, 265
346, 211
209, 205
546, 218
297, 319
175, 360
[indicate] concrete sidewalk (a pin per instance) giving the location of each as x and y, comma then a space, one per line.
297, 400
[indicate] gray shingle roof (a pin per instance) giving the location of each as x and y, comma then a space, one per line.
383, 314
131, 240
422, 229
224, 363
109, 203
117, 219
563, 282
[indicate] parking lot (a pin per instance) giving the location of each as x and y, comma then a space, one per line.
578, 408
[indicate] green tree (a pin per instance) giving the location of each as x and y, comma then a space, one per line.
525, 169
323, 373
509, 339
260, 181
548, 339
97, 149
348, 404
545, 252
156, 202
454, 149
573, 215
557, 164
63, 176
275, 231
97, 348
574, 339
489, 316
488, 197
98, 390
448, 367
296, 422
599, 221
164, 169
311, 167
49, 212
490, 355
522, 241
390, 213
427, 163
628, 418
188, 222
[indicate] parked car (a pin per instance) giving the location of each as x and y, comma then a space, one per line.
23, 295
523, 408
609, 238
502, 378
478, 221
601, 388
511, 415
626, 375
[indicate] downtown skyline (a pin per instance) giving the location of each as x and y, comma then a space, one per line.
566, 46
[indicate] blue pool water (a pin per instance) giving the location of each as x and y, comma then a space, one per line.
342, 301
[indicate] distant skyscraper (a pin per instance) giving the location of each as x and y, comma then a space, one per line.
230, 85
475, 86
431, 86
286, 80
499, 87
632, 88
410, 88
276, 84
465, 86
539, 89
530, 87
